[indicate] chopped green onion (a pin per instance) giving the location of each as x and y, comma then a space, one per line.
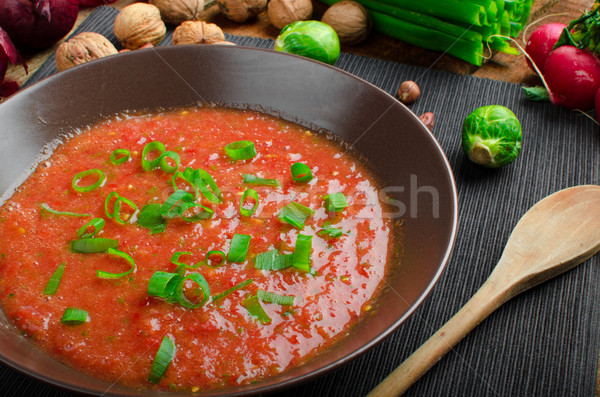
210, 254
96, 223
150, 218
107, 202
272, 297
253, 195
119, 156
273, 260
54, 281
335, 202
81, 175
176, 204
331, 231
161, 361
117, 211
295, 214
155, 146
207, 186
162, 284
238, 248
255, 180
74, 316
240, 150
46, 207
177, 255
302, 251
232, 289
119, 254
190, 182
204, 213
164, 163
180, 295
93, 245
301, 173
254, 308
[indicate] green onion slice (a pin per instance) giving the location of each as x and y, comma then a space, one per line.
122, 255
238, 248
164, 163
88, 188
97, 224
117, 212
302, 251
331, 231
74, 316
295, 214
119, 156
46, 207
217, 263
162, 359
188, 181
201, 282
150, 147
176, 204
252, 304
162, 284
111, 195
203, 213
273, 260
301, 173
207, 186
335, 202
272, 297
54, 281
177, 255
150, 218
240, 150
255, 180
251, 193
232, 289
93, 245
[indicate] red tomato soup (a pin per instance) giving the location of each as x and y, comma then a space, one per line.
141, 297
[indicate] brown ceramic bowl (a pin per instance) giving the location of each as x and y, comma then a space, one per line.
401, 150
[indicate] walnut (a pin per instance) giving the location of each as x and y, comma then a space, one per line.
241, 10
283, 12
83, 48
138, 24
174, 12
197, 32
350, 20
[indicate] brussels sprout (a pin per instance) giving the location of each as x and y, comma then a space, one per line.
312, 39
491, 136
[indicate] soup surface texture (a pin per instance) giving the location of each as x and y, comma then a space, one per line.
223, 342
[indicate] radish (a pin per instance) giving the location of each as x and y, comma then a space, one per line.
541, 42
572, 77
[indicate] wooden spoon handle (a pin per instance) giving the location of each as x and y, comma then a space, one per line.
482, 304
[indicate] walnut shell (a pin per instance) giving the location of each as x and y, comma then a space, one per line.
174, 12
83, 48
283, 12
241, 10
350, 20
138, 24
197, 32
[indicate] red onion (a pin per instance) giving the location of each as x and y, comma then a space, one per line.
94, 3
8, 53
37, 23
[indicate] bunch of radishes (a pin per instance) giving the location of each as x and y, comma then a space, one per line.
567, 58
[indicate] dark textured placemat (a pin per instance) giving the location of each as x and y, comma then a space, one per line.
545, 341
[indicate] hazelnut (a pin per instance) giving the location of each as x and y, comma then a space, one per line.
427, 119
174, 12
83, 48
241, 10
138, 24
350, 20
409, 92
283, 12
198, 32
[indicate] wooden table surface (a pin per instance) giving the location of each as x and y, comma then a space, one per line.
500, 67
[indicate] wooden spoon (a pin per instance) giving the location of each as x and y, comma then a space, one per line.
555, 235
